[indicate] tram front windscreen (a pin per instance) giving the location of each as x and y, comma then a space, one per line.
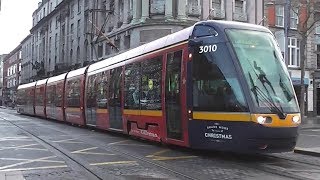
264, 70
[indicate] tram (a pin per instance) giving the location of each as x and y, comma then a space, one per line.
217, 85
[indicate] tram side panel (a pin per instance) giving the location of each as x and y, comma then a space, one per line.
40, 101
96, 104
55, 107
22, 101
26, 99
142, 96
73, 97
174, 96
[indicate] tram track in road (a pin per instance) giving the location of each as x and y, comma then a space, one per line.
265, 163
89, 169
276, 164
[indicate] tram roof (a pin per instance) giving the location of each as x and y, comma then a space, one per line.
41, 82
173, 38
77, 72
57, 78
24, 86
222, 25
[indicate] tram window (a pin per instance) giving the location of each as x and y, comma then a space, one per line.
101, 90
151, 84
202, 30
51, 91
58, 95
91, 89
215, 83
132, 86
73, 94
39, 97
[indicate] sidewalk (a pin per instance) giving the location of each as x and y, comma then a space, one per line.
312, 146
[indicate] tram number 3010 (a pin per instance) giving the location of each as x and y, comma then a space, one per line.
208, 48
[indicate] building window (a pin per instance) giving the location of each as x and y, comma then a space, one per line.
50, 24
239, 6
86, 50
318, 56
78, 28
280, 15
157, 6
318, 30
72, 10
56, 41
294, 52
71, 54
50, 7
107, 49
57, 22
71, 29
78, 54
126, 42
100, 50
79, 6
294, 18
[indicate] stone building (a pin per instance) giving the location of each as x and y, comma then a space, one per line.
11, 75
69, 34
1, 76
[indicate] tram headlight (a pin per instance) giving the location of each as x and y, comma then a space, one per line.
261, 119
296, 119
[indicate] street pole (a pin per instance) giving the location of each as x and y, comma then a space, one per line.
286, 30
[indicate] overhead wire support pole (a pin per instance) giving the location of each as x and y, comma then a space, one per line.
286, 30
100, 33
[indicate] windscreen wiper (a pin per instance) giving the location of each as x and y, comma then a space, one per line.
266, 98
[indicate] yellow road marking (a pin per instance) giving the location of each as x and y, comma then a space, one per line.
18, 147
156, 156
159, 158
34, 168
15, 139
26, 162
133, 145
17, 159
35, 149
70, 141
83, 151
111, 163
118, 142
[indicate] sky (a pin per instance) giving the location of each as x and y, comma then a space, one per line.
15, 22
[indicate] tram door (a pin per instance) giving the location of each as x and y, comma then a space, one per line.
115, 115
172, 95
91, 116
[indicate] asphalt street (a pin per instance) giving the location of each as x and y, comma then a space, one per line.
35, 149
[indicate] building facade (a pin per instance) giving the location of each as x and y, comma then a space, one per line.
278, 18
27, 70
1, 76
11, 76
68, 34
